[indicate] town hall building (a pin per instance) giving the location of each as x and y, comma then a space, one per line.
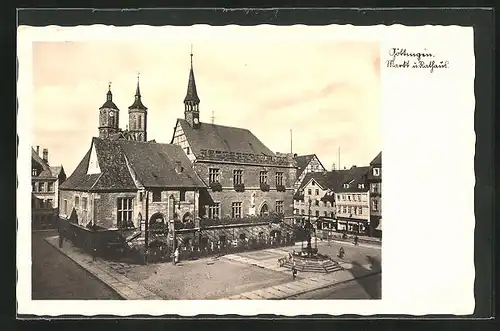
245, 177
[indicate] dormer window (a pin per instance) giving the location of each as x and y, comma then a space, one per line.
361, 186
346, 185
376, 171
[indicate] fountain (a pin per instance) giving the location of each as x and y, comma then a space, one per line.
308, 259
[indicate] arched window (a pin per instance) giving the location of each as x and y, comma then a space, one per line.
140, 122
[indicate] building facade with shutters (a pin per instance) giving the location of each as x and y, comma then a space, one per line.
353, 202
375, 182
245, 178
45, 181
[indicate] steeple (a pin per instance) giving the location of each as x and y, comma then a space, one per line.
137, 117
192, 94
192, 101
137, 101
109, 100
108, 116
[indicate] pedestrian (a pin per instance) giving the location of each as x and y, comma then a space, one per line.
176, 256
341, 252
294, 271
94, 253
61, 239
356, 240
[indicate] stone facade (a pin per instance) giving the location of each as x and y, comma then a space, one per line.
103, 207
253, 199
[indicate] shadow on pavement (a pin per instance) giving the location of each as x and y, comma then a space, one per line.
371, 285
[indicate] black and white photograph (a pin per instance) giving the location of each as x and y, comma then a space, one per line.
230, 163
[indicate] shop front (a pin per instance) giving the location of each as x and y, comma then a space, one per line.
352, 226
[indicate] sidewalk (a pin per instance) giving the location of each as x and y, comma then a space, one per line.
296, 287
126, 288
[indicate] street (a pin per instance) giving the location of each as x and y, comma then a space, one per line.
55, 276
363, 288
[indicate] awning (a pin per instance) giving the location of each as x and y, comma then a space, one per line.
379, 227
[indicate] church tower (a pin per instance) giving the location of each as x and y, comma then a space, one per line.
137, 117
191, 101
108, 116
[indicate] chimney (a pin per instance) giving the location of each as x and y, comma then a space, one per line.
178, 167
46, 155
37, 150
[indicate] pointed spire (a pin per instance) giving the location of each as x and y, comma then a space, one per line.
109, 95
138, 90
192, 93
109, 99
138, 102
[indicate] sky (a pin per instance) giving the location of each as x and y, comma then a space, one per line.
327, 92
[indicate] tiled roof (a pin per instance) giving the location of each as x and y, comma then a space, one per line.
153, 165
302, 162
354, 177
377, 161
223, 139
49, 172
329, 180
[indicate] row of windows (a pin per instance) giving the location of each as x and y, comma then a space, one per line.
354, 210
236, 209
309, 191
351, 197
316, 203
42, 187
48, 203
316, 213
214, 176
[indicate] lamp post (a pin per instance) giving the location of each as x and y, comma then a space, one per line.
173, 228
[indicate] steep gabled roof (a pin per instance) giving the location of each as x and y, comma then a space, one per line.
222, 138
328, 180
48, 172
377, 161
303, 161
153, 165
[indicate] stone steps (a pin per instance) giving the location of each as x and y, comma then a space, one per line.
315, 266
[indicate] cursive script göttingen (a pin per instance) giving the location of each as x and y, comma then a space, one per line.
402, 58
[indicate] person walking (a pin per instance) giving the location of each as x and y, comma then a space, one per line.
61, 240
176, 256
356, 240
294, 271
341, 252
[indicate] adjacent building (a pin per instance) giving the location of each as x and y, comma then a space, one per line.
353, 201
121, 184
245, 177
305, 165
45, 181
375, 182
315, 196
